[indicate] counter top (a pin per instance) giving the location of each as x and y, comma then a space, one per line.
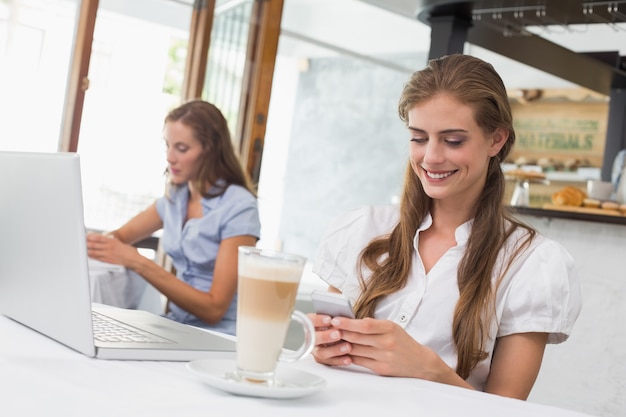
568, 214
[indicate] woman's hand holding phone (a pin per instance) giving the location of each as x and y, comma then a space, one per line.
330, 349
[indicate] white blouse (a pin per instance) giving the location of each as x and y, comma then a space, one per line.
539, 293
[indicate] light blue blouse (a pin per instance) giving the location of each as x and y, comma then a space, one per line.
193, 246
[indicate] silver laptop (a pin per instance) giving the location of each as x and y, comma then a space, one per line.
44, 281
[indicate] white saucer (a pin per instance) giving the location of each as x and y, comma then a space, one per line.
292, 383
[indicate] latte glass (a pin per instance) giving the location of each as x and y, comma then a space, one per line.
267, 288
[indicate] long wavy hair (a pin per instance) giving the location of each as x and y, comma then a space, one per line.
221, 166
475, 83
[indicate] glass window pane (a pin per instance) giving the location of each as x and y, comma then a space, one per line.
227, 59
136, 72
334, 140
36, 39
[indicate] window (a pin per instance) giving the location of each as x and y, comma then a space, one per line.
136, 72
36, 38
334, 140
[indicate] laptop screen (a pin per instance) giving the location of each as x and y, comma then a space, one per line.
43, 259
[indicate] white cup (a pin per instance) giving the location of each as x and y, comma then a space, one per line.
599, 190
267, 288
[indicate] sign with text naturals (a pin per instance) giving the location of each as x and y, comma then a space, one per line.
561, 131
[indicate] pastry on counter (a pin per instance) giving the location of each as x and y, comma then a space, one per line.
550, 164
591, 202
610, 205
546, 163
523, 160
571, 164
569, 196
523, 174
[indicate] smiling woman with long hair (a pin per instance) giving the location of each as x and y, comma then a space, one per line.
448, 286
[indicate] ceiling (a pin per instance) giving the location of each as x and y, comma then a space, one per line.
527, 12
581, 41
534, 56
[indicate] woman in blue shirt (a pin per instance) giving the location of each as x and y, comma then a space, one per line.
209, 209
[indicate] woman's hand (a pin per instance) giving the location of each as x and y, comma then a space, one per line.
381, 346
329, 348
109, 249
386, 349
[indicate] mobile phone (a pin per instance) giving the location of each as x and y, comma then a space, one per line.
332, 304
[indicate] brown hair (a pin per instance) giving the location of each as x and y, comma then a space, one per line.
222, 167
476, 84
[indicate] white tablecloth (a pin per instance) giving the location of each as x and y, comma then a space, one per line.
40, 377
116, 286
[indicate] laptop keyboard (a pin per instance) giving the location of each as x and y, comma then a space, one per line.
108, 330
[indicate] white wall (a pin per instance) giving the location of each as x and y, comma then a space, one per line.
587, 373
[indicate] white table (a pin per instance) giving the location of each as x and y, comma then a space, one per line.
40, 377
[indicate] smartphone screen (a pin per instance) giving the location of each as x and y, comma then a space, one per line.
332, 304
